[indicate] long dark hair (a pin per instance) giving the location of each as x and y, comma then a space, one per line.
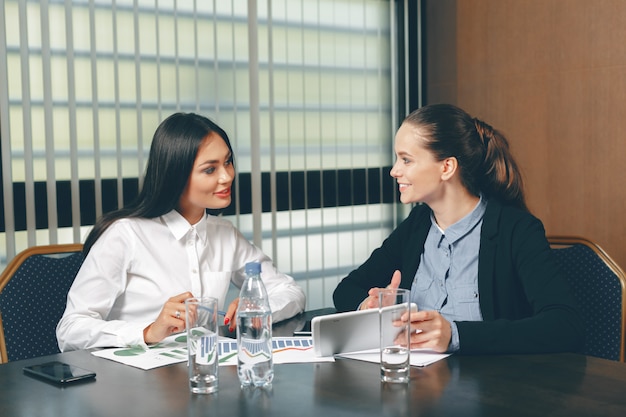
173, 151
485, 161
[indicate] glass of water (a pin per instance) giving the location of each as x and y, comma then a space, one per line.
394, 335
202, 335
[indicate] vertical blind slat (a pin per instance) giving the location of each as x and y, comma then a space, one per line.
5, 143
419, 56
351, 140
71, 95
395, 86
138, 95
292, 246
235, 107
255, 128
320, 128
95, 110
176, 57
158, 58
407, 80
116, 89
215, 64
272, 127
51, 196
196, 57
367, 132
305, 139
29, 183
337, 212
118, 113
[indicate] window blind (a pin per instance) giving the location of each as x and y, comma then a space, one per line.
304, 88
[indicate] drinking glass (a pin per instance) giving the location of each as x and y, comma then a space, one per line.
394, 335
202, 336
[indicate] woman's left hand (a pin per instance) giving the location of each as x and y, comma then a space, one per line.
429, 330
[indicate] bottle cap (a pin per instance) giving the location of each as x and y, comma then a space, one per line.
253, 268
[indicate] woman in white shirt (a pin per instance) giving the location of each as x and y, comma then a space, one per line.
144, 260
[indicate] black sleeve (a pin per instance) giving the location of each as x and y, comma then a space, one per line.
398, 252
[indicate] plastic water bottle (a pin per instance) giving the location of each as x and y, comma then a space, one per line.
255, 366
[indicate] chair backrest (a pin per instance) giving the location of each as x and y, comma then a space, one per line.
599, 286
33, 294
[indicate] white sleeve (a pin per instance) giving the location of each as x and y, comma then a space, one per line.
286, 297
99, 282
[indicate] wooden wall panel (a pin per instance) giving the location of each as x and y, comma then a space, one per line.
551, 75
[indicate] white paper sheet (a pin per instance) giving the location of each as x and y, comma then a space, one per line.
418, 357
173, 349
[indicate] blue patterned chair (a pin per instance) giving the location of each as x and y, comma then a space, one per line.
33, 293
599, 286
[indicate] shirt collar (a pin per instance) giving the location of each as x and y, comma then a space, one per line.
179, 226
466, 224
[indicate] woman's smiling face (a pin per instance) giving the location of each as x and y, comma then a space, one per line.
209, 184
417, 172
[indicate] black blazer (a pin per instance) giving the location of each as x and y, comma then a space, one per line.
525, 301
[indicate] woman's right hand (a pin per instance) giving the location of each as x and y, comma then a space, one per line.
372, 299
171, 319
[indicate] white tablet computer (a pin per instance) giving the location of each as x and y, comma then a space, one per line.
351, 331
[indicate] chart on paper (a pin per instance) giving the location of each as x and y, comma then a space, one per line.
174, 350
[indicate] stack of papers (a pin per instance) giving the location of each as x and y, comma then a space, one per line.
173, 349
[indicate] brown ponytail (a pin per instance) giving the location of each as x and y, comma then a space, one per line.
502, 177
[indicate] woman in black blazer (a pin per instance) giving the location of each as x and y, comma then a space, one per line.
477, 262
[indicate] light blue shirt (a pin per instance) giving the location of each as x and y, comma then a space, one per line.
447, 277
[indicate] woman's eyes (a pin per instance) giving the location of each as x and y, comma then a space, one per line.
404, 159
211, 170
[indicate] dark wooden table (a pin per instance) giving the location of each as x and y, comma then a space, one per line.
566, 385
520, 385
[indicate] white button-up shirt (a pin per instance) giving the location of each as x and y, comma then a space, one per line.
137, 264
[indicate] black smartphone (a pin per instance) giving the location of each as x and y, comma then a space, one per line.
59, 372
